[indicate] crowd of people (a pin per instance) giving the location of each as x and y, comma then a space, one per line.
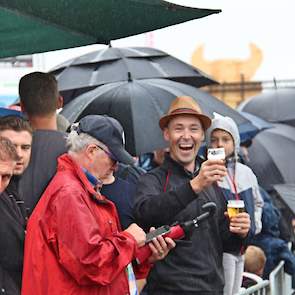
77, 211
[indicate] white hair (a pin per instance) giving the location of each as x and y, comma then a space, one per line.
77, 142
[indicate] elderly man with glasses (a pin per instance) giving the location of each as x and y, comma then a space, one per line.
74, 240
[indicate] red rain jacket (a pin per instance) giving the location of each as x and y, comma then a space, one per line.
73, 244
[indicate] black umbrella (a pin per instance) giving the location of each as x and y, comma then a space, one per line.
139, 104
109, 65
276, 106
272, 155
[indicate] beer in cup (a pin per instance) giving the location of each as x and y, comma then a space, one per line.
234, 207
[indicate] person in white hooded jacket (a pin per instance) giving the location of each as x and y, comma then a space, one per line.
239, 183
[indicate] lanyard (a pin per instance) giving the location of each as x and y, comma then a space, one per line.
232, 183
167, 180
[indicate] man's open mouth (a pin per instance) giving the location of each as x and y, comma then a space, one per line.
186, 146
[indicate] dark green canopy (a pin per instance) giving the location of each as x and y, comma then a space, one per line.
32, 26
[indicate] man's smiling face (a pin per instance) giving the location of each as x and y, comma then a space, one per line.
22, 141
185, 135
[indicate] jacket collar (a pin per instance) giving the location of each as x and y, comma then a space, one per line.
174, 166
66, 162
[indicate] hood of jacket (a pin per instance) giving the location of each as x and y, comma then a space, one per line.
227, 124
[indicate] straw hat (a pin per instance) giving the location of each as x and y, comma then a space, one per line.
184, 105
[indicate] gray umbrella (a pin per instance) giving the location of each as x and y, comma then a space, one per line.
276, 106
286, 192
256, 121
109, 65
139, 104
272, 155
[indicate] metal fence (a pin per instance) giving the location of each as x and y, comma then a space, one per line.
262, 288
233, 93
279, 283
277, 280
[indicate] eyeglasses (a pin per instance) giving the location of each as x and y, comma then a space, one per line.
110, 155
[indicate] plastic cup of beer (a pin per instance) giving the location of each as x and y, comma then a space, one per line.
235, 207
216, 154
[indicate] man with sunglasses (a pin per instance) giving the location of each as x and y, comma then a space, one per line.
74, 242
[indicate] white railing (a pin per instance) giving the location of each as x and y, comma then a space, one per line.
279, 283
277, 280
262, 288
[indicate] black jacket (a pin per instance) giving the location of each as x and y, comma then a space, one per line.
12, 233
194, 266
47, 146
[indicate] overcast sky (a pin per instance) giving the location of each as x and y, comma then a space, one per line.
267, 23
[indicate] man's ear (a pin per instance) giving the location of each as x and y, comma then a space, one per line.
203, 136
22, 107
90, 151
60, 102
166, 134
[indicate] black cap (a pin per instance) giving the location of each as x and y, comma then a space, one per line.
108, 131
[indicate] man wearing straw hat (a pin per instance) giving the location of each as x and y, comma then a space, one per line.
176, 191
